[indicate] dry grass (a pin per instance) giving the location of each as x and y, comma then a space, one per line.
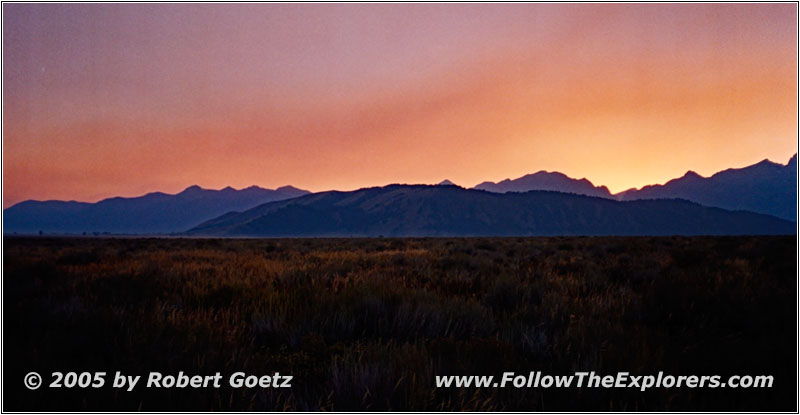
366, 324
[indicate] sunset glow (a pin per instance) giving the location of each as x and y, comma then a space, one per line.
105, 100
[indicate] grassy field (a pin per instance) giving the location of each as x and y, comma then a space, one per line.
366, 324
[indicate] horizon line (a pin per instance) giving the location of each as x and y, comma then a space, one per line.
200, 187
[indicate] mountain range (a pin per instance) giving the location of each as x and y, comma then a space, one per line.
542, 203
544, 180
765, 187
153, 213
423, 210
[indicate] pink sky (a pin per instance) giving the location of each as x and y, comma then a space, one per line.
103, 100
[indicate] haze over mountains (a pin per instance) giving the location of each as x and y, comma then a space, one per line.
543, 203
153, 213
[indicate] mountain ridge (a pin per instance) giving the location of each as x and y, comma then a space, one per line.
764, 187
546, 180
432, 210
151, 213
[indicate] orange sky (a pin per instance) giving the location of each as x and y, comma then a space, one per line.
124, 99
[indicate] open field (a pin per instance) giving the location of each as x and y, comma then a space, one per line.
366, 324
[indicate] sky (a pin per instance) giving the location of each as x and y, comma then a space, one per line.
104, 100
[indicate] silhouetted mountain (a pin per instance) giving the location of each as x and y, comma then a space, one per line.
544, 180
153, 213
421, 210
446, 182
765, 187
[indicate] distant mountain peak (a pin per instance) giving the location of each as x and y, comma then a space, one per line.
768, 163
291, 191
192, 189
446, 182
290, 188
792, 161
692, 174
545, 180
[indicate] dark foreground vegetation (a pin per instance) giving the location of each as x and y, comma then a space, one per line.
366, 324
